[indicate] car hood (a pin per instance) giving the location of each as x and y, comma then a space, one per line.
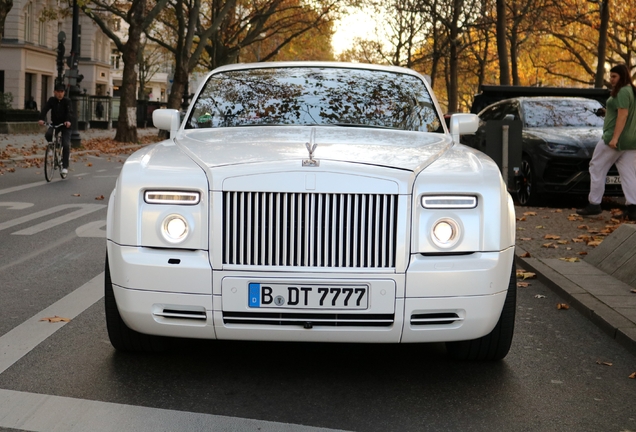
388, 148
586, 137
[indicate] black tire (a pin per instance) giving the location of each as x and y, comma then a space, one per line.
122, 337
526, 184
496, 344
49, 162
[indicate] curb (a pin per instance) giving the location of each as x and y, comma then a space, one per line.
603, 316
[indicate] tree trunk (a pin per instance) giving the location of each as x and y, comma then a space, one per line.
502, 47
453, 85
127, 121
5, 8
179, 82
599, 78
514, 57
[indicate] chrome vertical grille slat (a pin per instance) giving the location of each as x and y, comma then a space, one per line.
309, 229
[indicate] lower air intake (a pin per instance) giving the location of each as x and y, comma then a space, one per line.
308, 320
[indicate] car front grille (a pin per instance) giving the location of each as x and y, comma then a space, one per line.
309, 229
309, 320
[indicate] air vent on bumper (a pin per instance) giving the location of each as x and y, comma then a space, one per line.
181, 313
308, 320
436, 318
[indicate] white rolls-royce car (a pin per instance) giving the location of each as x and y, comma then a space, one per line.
323, 202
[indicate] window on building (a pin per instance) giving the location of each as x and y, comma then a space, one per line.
42, 30
28, 22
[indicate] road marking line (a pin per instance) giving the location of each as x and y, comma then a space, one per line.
45, 413
20, 340
21, 187
84, 209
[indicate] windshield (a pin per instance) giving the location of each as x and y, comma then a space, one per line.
562, 112
315, 96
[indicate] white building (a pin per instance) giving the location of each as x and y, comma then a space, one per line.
28, 52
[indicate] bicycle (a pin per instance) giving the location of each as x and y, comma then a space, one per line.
53, 154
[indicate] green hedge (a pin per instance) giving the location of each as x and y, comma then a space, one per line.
16, 115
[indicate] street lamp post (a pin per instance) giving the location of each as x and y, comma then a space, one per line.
74, 77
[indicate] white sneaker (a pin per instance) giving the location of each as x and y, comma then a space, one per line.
64, 172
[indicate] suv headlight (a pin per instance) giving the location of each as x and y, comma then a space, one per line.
561, 148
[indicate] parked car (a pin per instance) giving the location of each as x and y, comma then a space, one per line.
558, 139
322, 202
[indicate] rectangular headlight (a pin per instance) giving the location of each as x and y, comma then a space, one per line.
172, 197
449, 202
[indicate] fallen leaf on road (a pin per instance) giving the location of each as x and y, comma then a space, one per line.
76, 195
562, 242
583, 227
521, 219
614, 221
549, 245
523, 284
55, 319
633, 291
99, 198
526, 238
603, 363
633, 376
563, 306
530, 214
520, 229
539, 296
539, 227
574, 259
523, 275
594, 243
525, 255
89, 164
551, 237
557, 211
582, 253
545, 217
578, 240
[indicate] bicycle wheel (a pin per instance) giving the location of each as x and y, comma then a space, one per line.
58, 157
49, 162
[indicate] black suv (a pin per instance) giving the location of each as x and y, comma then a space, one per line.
558, 137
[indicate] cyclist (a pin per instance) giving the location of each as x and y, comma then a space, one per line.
61, 112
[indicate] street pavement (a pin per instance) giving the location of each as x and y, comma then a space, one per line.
562, 265
560, 248
28, 141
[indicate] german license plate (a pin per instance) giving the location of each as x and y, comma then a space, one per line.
613, 180
308, 296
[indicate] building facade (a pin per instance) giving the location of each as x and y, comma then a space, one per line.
28, 52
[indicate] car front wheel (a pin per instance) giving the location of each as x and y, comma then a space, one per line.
526, 187
496, 344
122, 337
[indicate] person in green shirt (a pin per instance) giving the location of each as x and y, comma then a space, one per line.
617, 146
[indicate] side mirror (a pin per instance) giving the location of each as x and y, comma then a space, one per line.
167, 119
461, 124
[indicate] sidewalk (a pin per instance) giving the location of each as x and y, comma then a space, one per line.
33, 143
571, 268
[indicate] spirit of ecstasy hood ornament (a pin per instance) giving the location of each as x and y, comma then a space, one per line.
311, 147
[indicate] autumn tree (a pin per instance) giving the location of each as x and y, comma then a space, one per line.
211, 33
138, 15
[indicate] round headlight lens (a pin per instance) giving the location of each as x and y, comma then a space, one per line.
445, 233
174, 228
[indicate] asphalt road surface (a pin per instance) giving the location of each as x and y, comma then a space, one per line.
562, 374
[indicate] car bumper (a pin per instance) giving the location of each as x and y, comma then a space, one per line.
438, 299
